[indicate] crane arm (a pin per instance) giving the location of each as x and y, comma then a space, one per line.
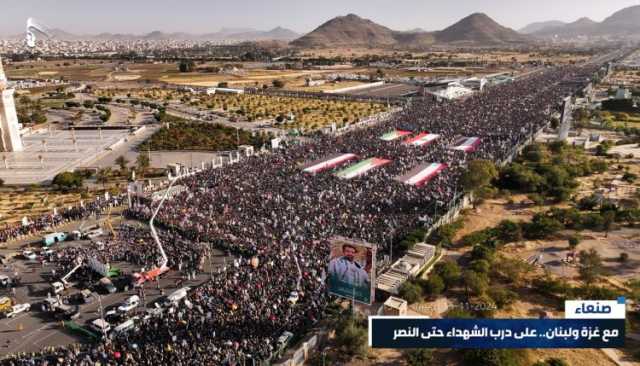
154, 233
64, 279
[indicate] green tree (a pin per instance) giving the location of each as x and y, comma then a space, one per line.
68, 180
186, 66
591, 267
435, 285
450, 273
277, 83
573, 241
122, 162
534, 153
351, 337
608, 218
478, 174
103, 176
474, 283
38, 117
536, 198
508, 231
418, 356
513, 270
410, 291
480, 266
143, 163
541, 227
493, 357
502, 297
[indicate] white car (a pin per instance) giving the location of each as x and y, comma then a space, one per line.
176, 296
29, 254
130, 304
17, 309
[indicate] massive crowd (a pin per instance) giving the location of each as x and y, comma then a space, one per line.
277, 220
134, 244
33, 225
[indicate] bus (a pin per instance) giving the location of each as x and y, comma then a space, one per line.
50, 239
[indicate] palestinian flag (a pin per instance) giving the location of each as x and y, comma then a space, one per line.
393, 135
422, 174
361, 168
422, 139
467, 144
328, 163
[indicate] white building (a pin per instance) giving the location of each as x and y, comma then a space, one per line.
475, 83
211, 91
10, 140
452, 90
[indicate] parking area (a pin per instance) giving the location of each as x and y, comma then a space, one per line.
38, 328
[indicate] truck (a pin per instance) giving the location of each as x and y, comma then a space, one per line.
59, 310
99, 326
94, 233
53, 238
107, 285
6, 305
76, 328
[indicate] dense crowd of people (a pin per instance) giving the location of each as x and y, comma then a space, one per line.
278, 220
34, 225
135, 245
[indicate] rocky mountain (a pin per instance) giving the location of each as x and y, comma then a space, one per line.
278, 33
624, 23
479, 29
353, 31
539, 26
350, 31
581, 27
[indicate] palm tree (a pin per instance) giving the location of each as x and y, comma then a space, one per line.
103, 176
122, 162
143, 163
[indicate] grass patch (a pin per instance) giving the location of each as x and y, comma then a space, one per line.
202, 136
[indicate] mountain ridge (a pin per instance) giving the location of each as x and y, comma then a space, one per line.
624, 23
228, 34
351, 30
538, 26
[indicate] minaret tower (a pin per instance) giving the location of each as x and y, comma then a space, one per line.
9, 129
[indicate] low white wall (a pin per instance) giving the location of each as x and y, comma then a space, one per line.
353, 88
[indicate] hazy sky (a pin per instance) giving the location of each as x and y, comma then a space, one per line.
198, 16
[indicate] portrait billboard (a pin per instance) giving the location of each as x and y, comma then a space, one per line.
351, 269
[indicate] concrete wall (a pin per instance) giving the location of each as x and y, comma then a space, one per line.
354, 88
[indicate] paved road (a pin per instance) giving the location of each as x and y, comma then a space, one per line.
34, 330
127, 149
